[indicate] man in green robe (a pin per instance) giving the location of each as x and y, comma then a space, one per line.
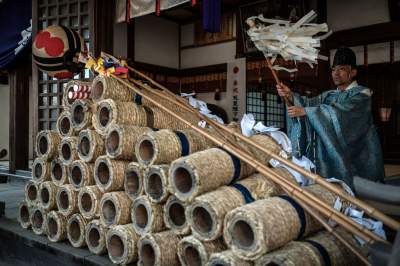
335, 129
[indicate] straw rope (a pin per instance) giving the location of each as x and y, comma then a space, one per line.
110, 112
121, 244
115, 208
59, 172
297, 253
109, 174
81, 114
133, 180
204, 171
90, 146
95, 237
164, 146
23, 215
38, 220
41, 170
159, 249
174, 216
266, 142
47, 196
106, 87
192, 251
68, 150
156, 183
81, 174
76, 230
31, 193
121, 139
56, 225
207, 212
264, 225
146, 216
227, 258
89, 202
46, 145
64, 125
67, 200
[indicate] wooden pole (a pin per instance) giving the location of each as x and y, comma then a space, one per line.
316, 178
293, 189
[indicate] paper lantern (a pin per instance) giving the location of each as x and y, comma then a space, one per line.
56, 50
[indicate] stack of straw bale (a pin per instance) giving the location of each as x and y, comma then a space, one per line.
121, 177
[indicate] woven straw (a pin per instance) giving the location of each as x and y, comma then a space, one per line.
90, 146
159, 249
133, 180
47, 142
267, 143
121, 139
81, 114
59, 172
174, 216
109, 174
147, 217
47, 196
257, 228
106, 87
68, 150
95, 236
115, 208
121, 244
56, 225
299, 253
156, 183
31, 193
192, 251
164, 146
109, 113
64, 125
23, 215
227, 258
41, 170
203, 171
76, 230
67, 200
157, 118
67, 103
89, 202
38, 220
207, 212
81, 174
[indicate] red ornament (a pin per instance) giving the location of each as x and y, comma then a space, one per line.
54, 46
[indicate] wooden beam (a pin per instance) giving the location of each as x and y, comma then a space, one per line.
19, 117
382, 32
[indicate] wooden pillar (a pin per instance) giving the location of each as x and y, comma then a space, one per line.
19, 117
104, 19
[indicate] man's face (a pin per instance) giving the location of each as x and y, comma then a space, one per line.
343, 74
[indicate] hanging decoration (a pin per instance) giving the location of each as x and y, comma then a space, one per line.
212, 15
56, 50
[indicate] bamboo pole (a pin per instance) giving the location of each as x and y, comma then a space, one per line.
294, 190
316, 178
285, 99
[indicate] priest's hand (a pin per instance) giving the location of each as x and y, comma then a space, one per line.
296, 111
284, 91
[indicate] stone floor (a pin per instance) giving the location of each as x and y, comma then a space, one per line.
23, 248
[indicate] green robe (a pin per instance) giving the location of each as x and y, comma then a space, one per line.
338, 134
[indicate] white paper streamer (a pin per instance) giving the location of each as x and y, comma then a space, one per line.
292, 41
202, 107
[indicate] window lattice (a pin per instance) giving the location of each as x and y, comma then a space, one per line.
266, 107
72, 14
